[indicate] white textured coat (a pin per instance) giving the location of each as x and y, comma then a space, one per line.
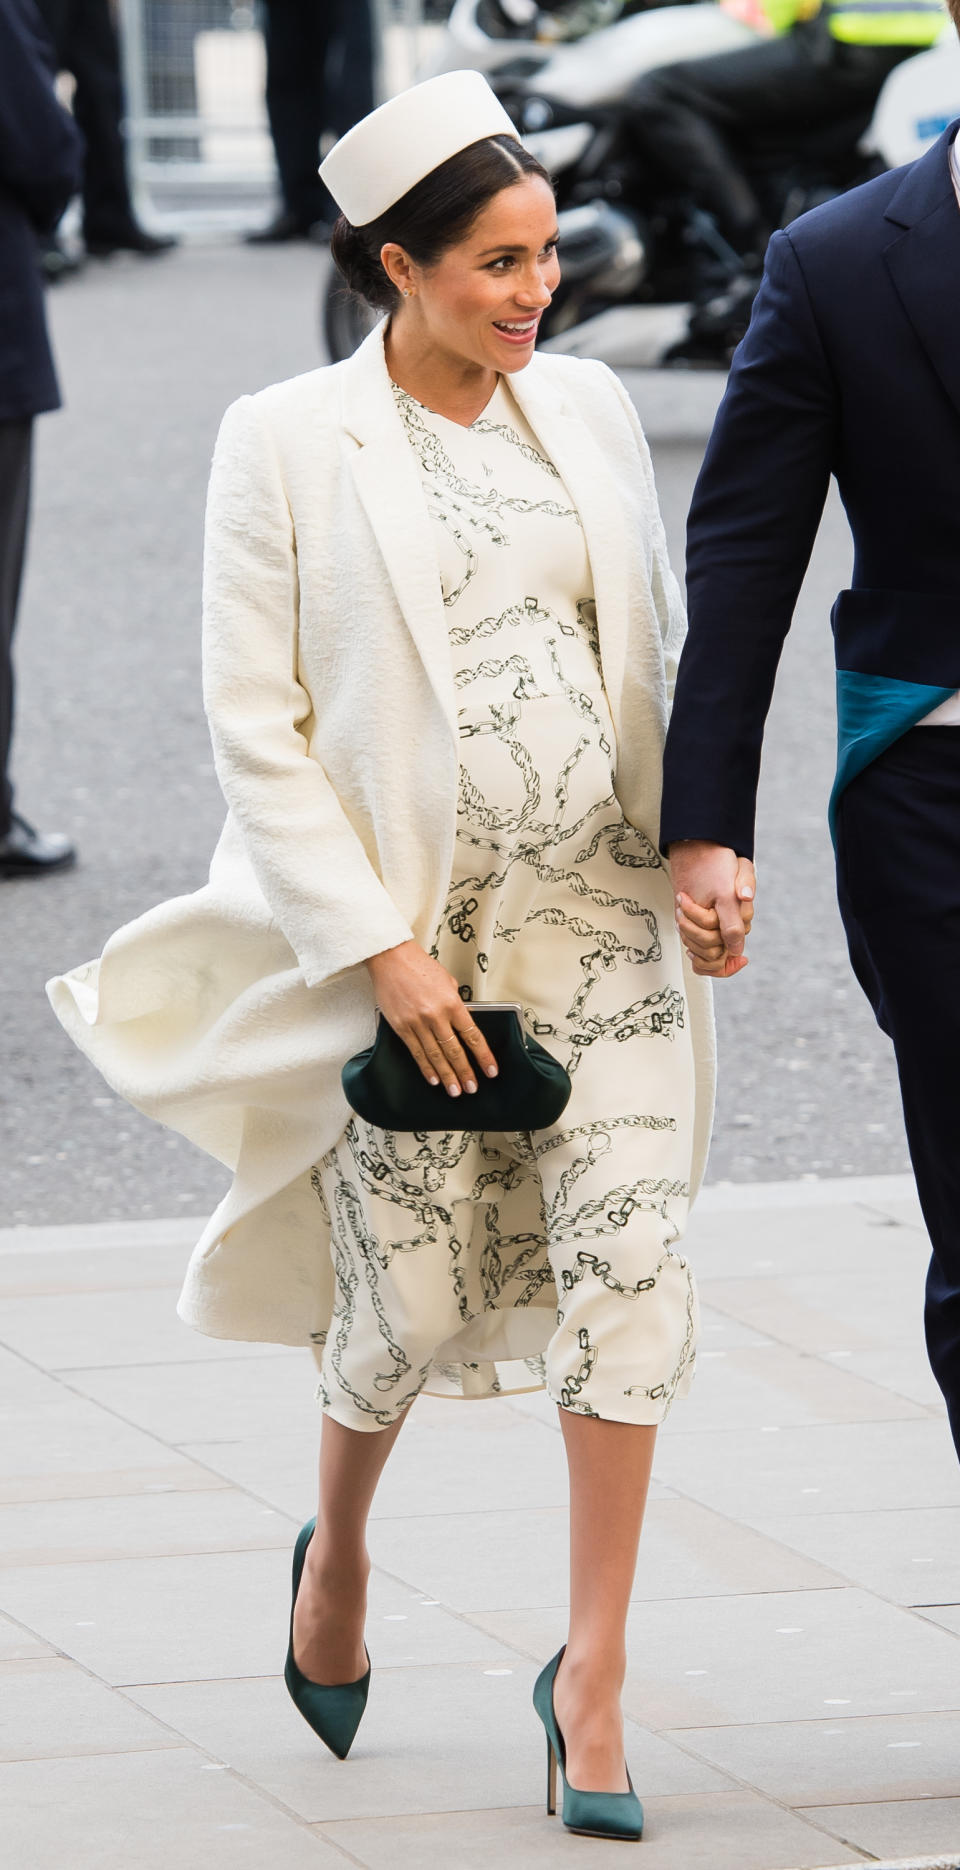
228, 1014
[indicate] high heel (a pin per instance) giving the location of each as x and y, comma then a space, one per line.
591, 1814
333, 1712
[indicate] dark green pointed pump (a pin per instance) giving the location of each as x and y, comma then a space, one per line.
591, 1814
333, 1712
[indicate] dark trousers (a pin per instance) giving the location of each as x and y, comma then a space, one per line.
898, 873
319, 81
86, 42
690, 117
16, 450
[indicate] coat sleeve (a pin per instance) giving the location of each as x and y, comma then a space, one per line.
755, 514
309, 861
668, 602
40, 146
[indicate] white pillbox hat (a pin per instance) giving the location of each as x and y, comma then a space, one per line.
392, 149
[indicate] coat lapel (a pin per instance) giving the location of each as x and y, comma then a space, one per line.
575, 454
387, 480
924, 261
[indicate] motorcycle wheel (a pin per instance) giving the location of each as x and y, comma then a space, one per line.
345, 319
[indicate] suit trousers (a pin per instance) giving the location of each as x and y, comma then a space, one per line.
319, 82
16, 451
898, 874
86, 41
691, 117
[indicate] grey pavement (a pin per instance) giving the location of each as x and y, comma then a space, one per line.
793, 1693
112, 745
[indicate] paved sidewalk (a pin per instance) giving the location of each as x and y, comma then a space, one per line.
794, 1688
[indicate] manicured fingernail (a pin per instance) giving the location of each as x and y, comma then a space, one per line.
434, 1081
454, 1090
470, 1085
491, 1071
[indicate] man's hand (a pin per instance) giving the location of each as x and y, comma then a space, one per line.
714, 890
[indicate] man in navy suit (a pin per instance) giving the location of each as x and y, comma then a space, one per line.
40, 168
851, 367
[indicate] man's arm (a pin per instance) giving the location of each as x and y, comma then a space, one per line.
40, 146
753, 522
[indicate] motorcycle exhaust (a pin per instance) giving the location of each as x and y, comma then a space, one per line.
603, 255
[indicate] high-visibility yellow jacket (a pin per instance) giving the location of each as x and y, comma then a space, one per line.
887, 22
855, 22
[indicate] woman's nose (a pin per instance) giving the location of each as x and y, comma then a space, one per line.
534, 293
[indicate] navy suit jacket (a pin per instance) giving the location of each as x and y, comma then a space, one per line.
40, 168
851, 367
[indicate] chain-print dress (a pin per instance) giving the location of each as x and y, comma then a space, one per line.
472, 1264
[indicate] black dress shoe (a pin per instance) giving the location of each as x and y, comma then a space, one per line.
284, 226
28, 853
56, 262
129, 239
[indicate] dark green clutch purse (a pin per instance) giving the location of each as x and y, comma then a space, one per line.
385, 1087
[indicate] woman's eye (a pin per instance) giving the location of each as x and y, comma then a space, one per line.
509, 259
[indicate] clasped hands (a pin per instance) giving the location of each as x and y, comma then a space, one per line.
714, 893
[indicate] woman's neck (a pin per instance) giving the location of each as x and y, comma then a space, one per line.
451, 386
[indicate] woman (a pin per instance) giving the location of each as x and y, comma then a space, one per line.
440, 628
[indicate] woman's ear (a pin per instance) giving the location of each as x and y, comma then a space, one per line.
398, 267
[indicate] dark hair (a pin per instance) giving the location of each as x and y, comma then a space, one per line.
433, 215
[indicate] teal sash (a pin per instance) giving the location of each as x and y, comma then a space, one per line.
872, 712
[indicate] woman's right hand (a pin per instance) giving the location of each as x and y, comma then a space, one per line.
422, 1003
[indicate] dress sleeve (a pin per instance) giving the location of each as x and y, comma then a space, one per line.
667, 600
308, 859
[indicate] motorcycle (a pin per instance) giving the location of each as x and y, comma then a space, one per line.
626, 237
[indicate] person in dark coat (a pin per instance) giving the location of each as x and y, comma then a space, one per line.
320, 60
41, 164
851, 368
85, 38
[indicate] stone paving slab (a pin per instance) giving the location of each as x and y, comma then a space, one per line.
793, 1696
907, 1863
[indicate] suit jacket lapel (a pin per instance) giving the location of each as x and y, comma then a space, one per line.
387, 480
568, 441
924, 261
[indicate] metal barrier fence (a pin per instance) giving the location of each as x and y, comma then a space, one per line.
199, 147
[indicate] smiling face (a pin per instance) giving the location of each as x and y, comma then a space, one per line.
481, 302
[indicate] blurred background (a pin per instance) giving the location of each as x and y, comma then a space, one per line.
195, 70
111, 745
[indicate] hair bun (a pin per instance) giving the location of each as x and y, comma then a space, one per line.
360, 267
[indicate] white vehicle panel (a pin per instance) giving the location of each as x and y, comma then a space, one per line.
561, 148
600, 69
917, 102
